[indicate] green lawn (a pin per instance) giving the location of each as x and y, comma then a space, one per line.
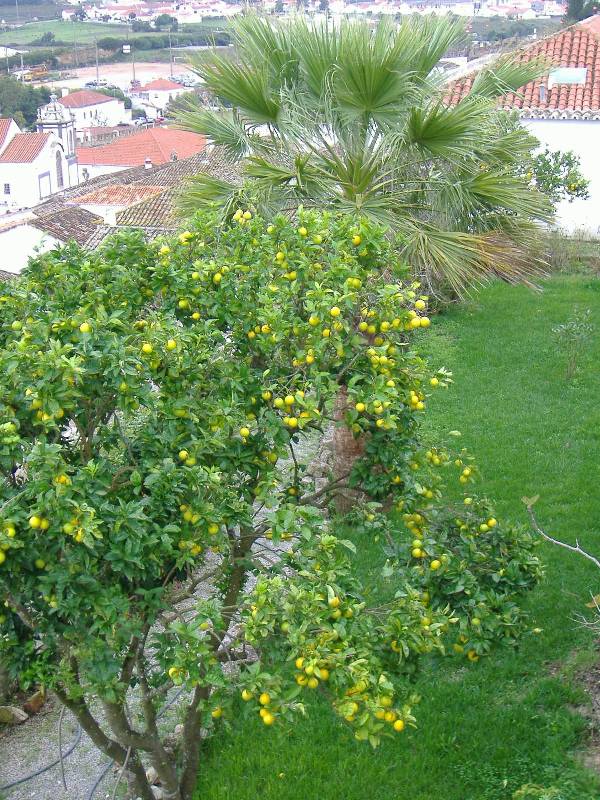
484, 730
81, 32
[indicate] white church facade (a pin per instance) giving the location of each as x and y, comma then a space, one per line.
34, 166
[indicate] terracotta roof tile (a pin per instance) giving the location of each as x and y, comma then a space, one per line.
158, 211
160, 84
71, 223
575, 47
4, 128
84, 98
157, 144
118, 195
24, 148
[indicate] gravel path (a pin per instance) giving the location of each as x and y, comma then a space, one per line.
28, 747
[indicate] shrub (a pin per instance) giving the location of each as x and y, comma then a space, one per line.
156, 404
558, 175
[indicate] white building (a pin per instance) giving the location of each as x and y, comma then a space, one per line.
34, 166
93, 109
562, 110
54, 118
154, 97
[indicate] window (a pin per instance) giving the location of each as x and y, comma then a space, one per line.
567, 76
7, 188
59, 171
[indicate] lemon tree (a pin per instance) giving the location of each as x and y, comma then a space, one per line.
161, 528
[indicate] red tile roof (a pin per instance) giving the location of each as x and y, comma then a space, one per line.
576, 46
84, 98
162, 84
4, 128
118, 195
157, 144
24, 148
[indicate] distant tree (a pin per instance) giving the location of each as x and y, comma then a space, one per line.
180, 103
580, 9
20, 119
21, 101
165, 21
47, 38
139, 26
279, 7
118, 94
324, 6
79, 15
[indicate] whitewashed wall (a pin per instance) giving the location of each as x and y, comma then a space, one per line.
19, 244
583, 138
103, 115
94, 170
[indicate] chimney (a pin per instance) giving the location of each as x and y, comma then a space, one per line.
148, 163
64, 91
173, 156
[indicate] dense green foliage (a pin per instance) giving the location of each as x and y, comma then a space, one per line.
21, 101
482, 733
156, 404
558, 175
580, 9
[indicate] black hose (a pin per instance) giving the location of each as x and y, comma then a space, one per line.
68, 752
41, 771
99, 780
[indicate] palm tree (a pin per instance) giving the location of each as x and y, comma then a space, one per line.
351, 116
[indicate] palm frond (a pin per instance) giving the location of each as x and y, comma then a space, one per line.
317, 49
350, 117
447, 132
458, 259
510, 192
244, 86
206, 191
436, 35
223, 128
262, 43
506, 75
369, 80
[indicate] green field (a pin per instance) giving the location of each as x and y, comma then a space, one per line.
484, 730
28, 11
83, 33
80, 32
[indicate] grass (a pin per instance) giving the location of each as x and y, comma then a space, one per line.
85, 33
80, 32
29, 11
484, 731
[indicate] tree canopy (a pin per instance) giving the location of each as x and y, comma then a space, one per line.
162, 522
354, 117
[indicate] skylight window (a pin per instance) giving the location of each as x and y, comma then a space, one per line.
572, 76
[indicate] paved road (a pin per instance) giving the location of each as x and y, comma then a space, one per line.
121, 74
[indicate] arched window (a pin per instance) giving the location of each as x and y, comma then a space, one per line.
59, 170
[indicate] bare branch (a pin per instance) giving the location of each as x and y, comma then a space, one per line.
576, 548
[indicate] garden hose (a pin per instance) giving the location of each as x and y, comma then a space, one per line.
41, 771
